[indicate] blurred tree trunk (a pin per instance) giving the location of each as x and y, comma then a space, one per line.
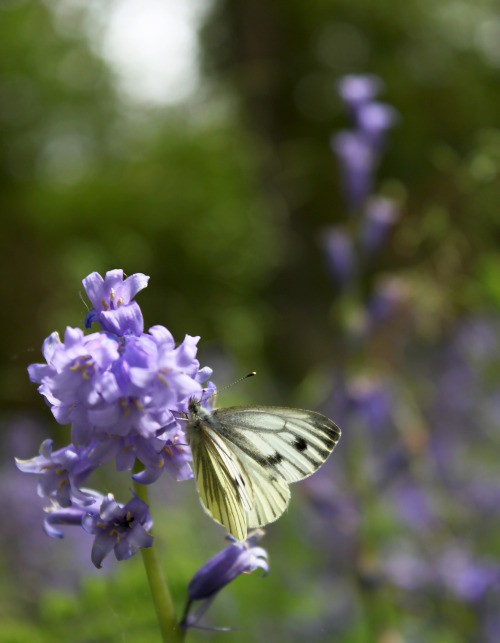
263, 51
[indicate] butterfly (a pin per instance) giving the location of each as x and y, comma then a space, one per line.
245, 457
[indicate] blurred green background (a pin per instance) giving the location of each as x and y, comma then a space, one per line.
221, 196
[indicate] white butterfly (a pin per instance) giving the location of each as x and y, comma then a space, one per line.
245, 457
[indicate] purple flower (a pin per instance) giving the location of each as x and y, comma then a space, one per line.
339, 254
358, 89
358, 162
122, 528
379, 215
388, 296
124, 393
72, 515
413, 505
72, 379
359, 150
61, 472
112, 303
238, 558
408, 569
108, 386
467, 578
371, 400
375, 120
173, 456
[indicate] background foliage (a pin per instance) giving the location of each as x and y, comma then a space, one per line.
222, 201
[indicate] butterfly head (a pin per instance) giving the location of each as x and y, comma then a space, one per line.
194, 406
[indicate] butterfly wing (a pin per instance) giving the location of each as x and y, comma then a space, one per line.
289, 443
223, 484
271, 495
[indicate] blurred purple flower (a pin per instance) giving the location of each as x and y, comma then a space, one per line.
357, 89
407, 569
339, 254
238, 558
358, 162
385, 300
379, 216
468, 578
375, 120
122, 528
413, 505
477, 340
369, 399
112, 303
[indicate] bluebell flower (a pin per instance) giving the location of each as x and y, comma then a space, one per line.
72, 379
112, 303
358, 162
107, 386
61, 472
389, 295
375, 120
359, 150
407, 568
358, 89
173, 456
72, 515
339, 253
117, 527
238, 558
371, 400
379, 216
468, 578
125, 393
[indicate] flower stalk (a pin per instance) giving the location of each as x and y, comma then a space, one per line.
162, 599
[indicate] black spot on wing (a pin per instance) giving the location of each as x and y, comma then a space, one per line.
300, 444
275, 458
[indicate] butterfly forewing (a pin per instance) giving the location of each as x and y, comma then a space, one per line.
292, 442
223, 484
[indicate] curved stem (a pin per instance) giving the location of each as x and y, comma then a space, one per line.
165, 612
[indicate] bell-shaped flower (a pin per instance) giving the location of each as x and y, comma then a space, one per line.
112, 303
117, 527
238, 558
61, 472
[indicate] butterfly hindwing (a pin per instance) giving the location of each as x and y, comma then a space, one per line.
271, 495
292, 442
223, 484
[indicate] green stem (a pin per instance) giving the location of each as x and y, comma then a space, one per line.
165, 612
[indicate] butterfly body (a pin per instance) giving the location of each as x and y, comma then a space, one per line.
245, 457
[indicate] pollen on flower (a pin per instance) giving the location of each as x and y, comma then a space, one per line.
111, 294
162, 379
119, 302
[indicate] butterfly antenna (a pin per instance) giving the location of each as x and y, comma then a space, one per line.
219, 390
233, 383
